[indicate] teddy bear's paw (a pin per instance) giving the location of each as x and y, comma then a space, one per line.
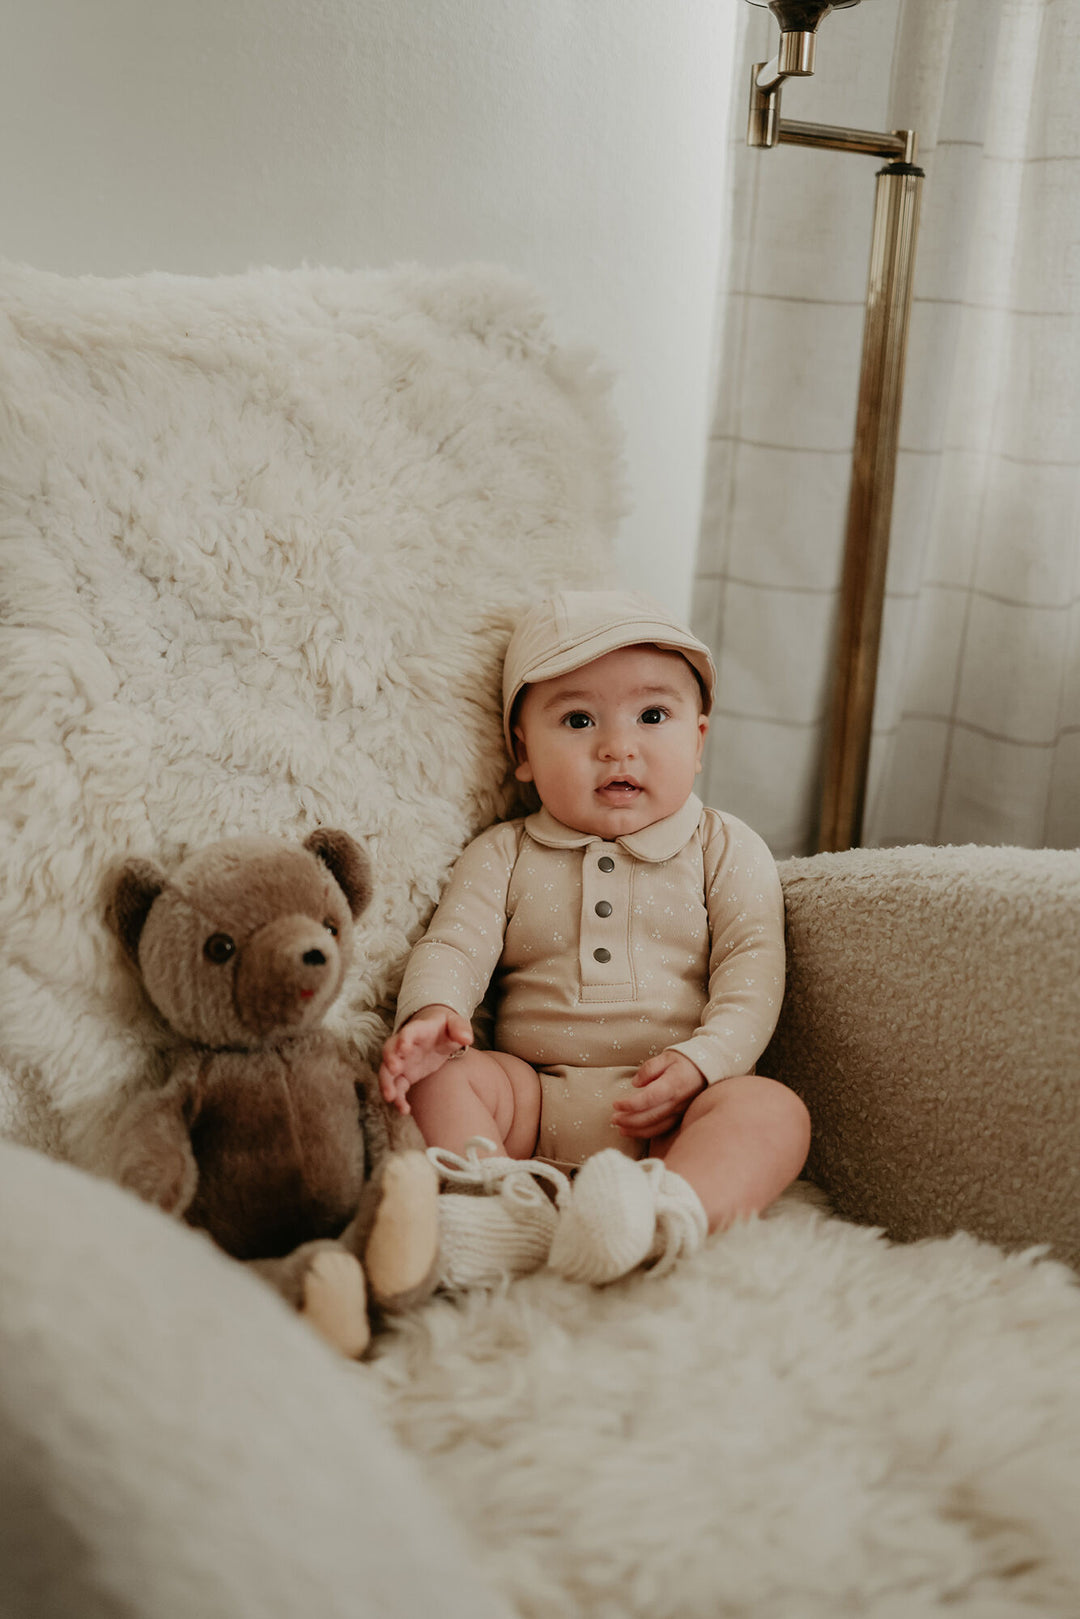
333, 1298
403, 1245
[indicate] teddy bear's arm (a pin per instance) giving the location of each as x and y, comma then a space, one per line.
152, 1151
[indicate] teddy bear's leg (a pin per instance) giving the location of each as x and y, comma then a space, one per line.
335, 1300
399, 1243
325, 1283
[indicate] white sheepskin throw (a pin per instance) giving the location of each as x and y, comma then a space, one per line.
263, 539
177, 1444
801, 1422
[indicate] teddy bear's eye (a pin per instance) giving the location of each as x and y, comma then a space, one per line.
218, 948
331, 927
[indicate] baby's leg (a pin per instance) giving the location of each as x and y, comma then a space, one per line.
479, 1093
485, 1241
739, 1144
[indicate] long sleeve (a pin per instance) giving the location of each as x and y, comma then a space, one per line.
745, 905
453, 963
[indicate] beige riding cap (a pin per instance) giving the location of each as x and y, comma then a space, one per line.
576, 626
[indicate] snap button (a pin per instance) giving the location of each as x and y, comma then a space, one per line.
601, 954
606, 863
603, 908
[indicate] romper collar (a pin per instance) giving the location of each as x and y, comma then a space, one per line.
660, 841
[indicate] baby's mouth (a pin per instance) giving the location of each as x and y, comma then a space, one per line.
620, 790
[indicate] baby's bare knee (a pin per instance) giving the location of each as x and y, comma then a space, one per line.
465, 1071
786, 1117
766, 1105
501, 1084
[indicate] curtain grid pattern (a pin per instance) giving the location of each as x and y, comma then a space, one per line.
977, 721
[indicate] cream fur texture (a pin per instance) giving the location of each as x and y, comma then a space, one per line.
262, 540
177, 1444
799, 1422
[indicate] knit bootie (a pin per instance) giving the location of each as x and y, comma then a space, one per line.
481, 1168
621, 1213
487, 1240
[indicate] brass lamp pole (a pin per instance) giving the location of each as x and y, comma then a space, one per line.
877, 419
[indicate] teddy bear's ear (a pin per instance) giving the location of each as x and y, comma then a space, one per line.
137, 887
348, 863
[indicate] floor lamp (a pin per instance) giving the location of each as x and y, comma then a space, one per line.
877, 419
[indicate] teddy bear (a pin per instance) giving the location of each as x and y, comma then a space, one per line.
269, 1133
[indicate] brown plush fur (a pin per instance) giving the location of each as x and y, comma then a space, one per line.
269, 1133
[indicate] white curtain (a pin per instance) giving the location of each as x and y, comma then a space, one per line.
977, 721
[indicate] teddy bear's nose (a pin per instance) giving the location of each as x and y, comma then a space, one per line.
314, 958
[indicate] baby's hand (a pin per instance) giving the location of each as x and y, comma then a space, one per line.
419, 1047
664, 1087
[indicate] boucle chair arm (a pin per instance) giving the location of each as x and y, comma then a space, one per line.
932, 1025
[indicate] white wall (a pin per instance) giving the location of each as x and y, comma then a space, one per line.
582, 142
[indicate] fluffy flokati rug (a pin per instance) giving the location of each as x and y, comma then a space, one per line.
803, 1421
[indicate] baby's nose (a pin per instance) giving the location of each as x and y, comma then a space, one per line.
617, 742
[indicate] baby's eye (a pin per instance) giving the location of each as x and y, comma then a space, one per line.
577, 722
653, 716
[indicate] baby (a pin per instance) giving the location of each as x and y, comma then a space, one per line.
635, 944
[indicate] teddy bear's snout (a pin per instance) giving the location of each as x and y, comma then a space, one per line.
288, 975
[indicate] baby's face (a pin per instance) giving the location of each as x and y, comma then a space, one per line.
615, 745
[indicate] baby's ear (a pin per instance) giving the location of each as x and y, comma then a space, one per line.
523, 770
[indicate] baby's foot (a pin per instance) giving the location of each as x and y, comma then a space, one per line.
607, 1222
621, 1213
681, 1222
485, 1241
481, 1168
